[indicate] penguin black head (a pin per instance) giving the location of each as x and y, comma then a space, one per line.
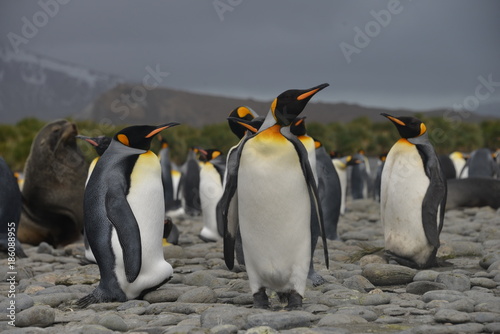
100, 143
140, 136
240, 113
163, 141
207, 155
289, 104
408, 127
298, 126
252, 125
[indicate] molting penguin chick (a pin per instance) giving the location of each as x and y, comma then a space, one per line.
413, 196
274, 186
124, 217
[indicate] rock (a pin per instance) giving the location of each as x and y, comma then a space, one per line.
226, 315
494, 266
462, 305
363, 312
421, 287
448, 295
45, 248
113, 322
359, 283
465, 248
261, 330
55, 299
340, 319
483, 282
452, 281
224, 329
164, 295
491, 305
201, 294
281, 320
388, 274
371, 259
483, 317
452, 316
493, 327
426, 275
201, 278
488, 259
36, 316
374, 299
22, 302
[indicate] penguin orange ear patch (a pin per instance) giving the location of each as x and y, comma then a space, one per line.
123, 139
423, 128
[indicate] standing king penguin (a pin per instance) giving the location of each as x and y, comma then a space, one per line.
124, 217
413, 196
211, 175
276, 200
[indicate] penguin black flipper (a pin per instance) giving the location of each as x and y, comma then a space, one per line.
316, 212
435, 197
123, 220
227, 207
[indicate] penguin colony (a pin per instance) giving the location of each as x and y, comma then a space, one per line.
269, 200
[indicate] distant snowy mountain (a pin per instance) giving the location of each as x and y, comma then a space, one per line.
32, 85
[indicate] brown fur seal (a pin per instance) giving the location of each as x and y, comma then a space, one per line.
55, 174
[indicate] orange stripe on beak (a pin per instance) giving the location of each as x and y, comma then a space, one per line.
395, 120
248, 126
306, 95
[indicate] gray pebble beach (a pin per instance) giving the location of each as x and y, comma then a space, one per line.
363, 293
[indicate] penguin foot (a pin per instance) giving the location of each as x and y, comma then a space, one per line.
260, 299
402, 260
294, 301
316, 279
100, 296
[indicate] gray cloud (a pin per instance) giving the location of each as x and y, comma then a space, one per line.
429, 55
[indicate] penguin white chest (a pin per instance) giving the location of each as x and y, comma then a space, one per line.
274, 215
403, 188
145, 198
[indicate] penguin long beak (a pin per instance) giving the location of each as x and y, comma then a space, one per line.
312, 91
88, 140
393, 119
161, 128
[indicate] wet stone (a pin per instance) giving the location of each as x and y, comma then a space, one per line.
388, 274
421, 287
36, 316
458, 282
452, 316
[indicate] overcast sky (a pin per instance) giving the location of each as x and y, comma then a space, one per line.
426, 54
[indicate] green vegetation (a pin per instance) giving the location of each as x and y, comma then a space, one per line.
447, 136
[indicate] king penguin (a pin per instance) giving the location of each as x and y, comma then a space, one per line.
241, 113
458, 162
10, 212
189, 184
276, 200
341, 165
124, 217
170, 198
211, 175
413, 196
100, 145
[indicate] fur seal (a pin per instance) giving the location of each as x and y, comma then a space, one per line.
55, 174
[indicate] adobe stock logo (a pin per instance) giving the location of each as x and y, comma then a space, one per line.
30, 28
372, 29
